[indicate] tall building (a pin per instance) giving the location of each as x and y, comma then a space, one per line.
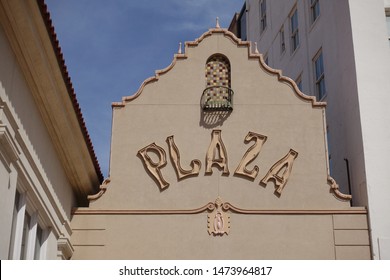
47, 162
339, 52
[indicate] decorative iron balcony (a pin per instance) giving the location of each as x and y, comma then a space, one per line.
217, 98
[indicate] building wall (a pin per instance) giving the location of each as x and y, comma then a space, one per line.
337, 236
372, 54
138, 216
29, 161
315, 37
47, 163
352, 38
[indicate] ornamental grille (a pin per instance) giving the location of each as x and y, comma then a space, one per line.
218, 94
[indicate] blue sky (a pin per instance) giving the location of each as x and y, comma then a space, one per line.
111, 47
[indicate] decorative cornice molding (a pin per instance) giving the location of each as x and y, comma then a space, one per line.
15, 148
103, 188
32, 39
211, 206
86, 211
227, 206
65, 248
238, 42
335, 189
8, 147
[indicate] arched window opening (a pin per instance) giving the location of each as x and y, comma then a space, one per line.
218, 93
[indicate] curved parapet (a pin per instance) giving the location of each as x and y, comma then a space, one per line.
234, 40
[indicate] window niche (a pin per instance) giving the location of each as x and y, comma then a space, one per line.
217, 98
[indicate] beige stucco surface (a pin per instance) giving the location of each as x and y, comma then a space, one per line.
168, 105
174, 237
45, 160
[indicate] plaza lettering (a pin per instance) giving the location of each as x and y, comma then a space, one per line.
216, 156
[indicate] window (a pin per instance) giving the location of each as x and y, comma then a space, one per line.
388, 24
319, 75
329, 152
263, 15
282, 41
27, 236
298, 81
242, 24
266, 59
314, 9
38, 243
19, 202
294, 30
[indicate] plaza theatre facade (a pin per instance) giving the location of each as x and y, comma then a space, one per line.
219, 156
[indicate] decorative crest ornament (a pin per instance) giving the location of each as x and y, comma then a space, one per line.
256, 49
218, 222
179, 51
217, 23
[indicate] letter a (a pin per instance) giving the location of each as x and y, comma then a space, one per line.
216, 154
154, 167
285, 163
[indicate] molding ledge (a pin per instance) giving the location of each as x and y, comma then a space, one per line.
8, 147
226, 206
65, 248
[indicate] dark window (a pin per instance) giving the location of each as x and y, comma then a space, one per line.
263, 15
319, 76
242, 24
298, 81
314, 9
282, 40
294, 30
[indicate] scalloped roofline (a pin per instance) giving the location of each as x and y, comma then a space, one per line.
238, 42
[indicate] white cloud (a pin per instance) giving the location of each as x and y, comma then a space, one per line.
200, 15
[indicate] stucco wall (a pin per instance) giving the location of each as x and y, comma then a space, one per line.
330, 33
372, 49
251, 237
36, 167
137, 218
352, 38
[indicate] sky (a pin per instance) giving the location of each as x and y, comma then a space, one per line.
111, 47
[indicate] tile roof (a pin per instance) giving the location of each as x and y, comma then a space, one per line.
65, 74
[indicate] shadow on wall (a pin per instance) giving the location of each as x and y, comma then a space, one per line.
211, 119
